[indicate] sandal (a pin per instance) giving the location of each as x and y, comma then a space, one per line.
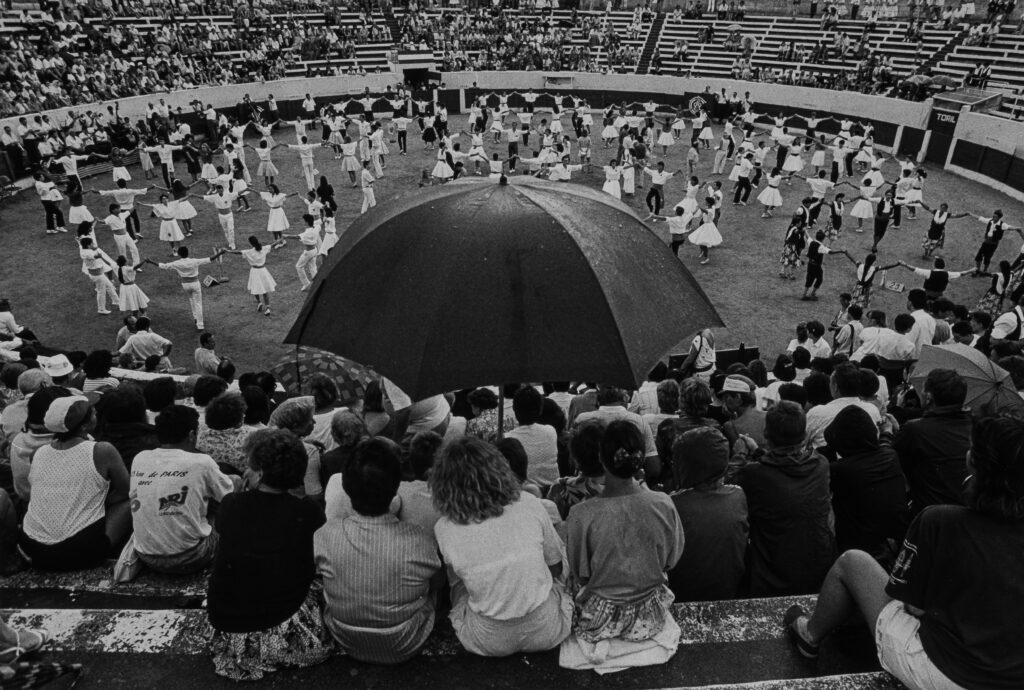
12, 654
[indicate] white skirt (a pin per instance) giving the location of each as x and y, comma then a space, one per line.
556, 127
706, 134
350, 164
679, 126
277, 221
478, 152
121, 173
442, 170
609, 132
336, 138
612, 187
170, 232
734, 174
209, 172
666, 139
327, 243
132, 298
79, 214
688, 205
818, 159
862, 209
260, 281
497, 127
706, 235
770, 196
864, 156
793, 164
239, 186
267, 169
914, 197
588, 120
776, 132
183, 209
629, 180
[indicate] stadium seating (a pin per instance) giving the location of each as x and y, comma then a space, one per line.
1007, 56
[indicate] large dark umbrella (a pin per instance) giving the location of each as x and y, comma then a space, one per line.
476, 282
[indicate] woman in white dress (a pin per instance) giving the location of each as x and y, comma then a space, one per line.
277, 221
794, 162
169, 230
261, 283
678, 125
442, 171
612, 176
915, 196
864, 209
866, 155
706, 235
330, 233
610, 132
338, 126
266, 169
78, 213
706, 135
349, 162
689, 202
779, 121
131, 298
666, 138
770, 197
628, 172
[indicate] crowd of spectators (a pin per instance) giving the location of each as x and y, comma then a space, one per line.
742, 481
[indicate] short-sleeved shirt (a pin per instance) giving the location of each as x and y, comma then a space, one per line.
143, 344
188, 269
610, 413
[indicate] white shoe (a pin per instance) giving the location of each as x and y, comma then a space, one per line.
62, 229
304, 288
52, 232
103, 311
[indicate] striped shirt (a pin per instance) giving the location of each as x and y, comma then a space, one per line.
376, 573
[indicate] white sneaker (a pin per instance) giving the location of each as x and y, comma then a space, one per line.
62, 229
103, 311
52, 232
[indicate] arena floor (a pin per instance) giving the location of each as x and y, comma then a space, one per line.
48, 292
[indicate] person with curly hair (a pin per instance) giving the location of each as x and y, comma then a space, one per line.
224, 435
504, 557
620, 544
296, 415
263, 610
947, 615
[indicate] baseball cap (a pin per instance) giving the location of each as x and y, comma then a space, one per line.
66, 414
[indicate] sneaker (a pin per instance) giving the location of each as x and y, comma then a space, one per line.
200, 327
62, 229
259, 306
704, 261
791, 621
103, 311
266, 312
52, 232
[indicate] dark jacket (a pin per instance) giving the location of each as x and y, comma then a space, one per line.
791, 542
716, 528
933, 455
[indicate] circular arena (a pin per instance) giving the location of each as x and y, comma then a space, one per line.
281, 398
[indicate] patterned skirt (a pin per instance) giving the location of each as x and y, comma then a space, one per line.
790, 257
597, 618
302, 640
861, 296
833, 231
990, 303
930, 245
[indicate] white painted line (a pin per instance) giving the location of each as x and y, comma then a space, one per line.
878, 680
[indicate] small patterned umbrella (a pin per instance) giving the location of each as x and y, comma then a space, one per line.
294, 369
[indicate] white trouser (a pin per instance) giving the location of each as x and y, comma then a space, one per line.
194, 290
377, 157
227, 226
306, 263
104, 288
369, 200
126, 246
307, 172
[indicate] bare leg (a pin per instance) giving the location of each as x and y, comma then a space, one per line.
856, 583
118, 524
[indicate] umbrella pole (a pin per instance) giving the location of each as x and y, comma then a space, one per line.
501, 412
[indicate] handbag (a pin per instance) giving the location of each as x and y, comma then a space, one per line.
128, 565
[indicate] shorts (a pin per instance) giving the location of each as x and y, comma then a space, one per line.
900, 652
86, 549
187, 562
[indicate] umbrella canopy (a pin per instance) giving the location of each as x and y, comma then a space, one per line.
733, 27
987, 384
919, 79
476, 282
945, 80
294, 369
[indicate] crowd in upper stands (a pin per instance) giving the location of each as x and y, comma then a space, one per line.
746, 480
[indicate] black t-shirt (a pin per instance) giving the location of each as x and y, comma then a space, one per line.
965, 570
715, 526
264, 563
868, 499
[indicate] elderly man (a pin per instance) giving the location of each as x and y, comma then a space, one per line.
144, 343
207, 360
611, 406
845, 387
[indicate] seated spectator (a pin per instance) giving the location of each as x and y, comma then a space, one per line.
416, 500
504, 558
35, 436
12, 420
484, 424
159, 394
611, 407
262, 609
375, 415
206, 388
296, 415
122, 422
667, 393
206, 358
173, 489
783, 372
868, 488
9, 392
619, 545
381, 575
645, 399
584, 401
97, 366
801, 364
144, 343
588, 478
844, 385
540, 441
78, 515
739, 399
787, 488
714, 519
347, 430
224, 435
326, 399
945, 616
257, 407
552, 415
933, 448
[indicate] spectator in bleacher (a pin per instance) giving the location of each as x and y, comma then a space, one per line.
844, 385
122, 422
540, 441
144, 343
611, 406
417, 503
206, 388
740, 402
296, 415
381, 575
787, 489
78, 515
263, 611
714, 519
12, 420
173, 489
35, 436
326, 399
588, 476
160, 393
347, 430
945, 616
868, 487
933, 448
224, 434
503, 555
206, 358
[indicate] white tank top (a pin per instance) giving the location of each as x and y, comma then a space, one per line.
68, 494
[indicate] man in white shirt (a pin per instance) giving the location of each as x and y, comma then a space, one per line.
172, 490
401, 124
540, 441
310, 239
125, 198
144, 343
845, 386
886, 343
848, 335
223, 200
743, 184
188, 272
562, 171
611, 406
923, 331
205, 356
305, 150
366, 181
561, 395
1008, 325
658, 179
645, 399
117, 222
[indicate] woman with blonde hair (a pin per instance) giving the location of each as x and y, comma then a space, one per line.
504, 557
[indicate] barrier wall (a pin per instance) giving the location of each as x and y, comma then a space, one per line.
980, 147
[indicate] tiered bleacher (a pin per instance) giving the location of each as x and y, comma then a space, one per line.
1005, 52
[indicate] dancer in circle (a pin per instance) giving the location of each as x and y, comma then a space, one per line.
770, 197
96, 264
188, 273
864, 208
444, 169
816, 253
366, 180
834, 224
261, 283
935, 238
706, 235
131, 298
792, 247
277, 220
125, 198
995, 226
865, 279
666, 138
50, 197
117, 222
612, 179
310, 239
239, 185
266, 168
222, 199
305, 150
183, 209
992, 301
170, 232
349, 161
